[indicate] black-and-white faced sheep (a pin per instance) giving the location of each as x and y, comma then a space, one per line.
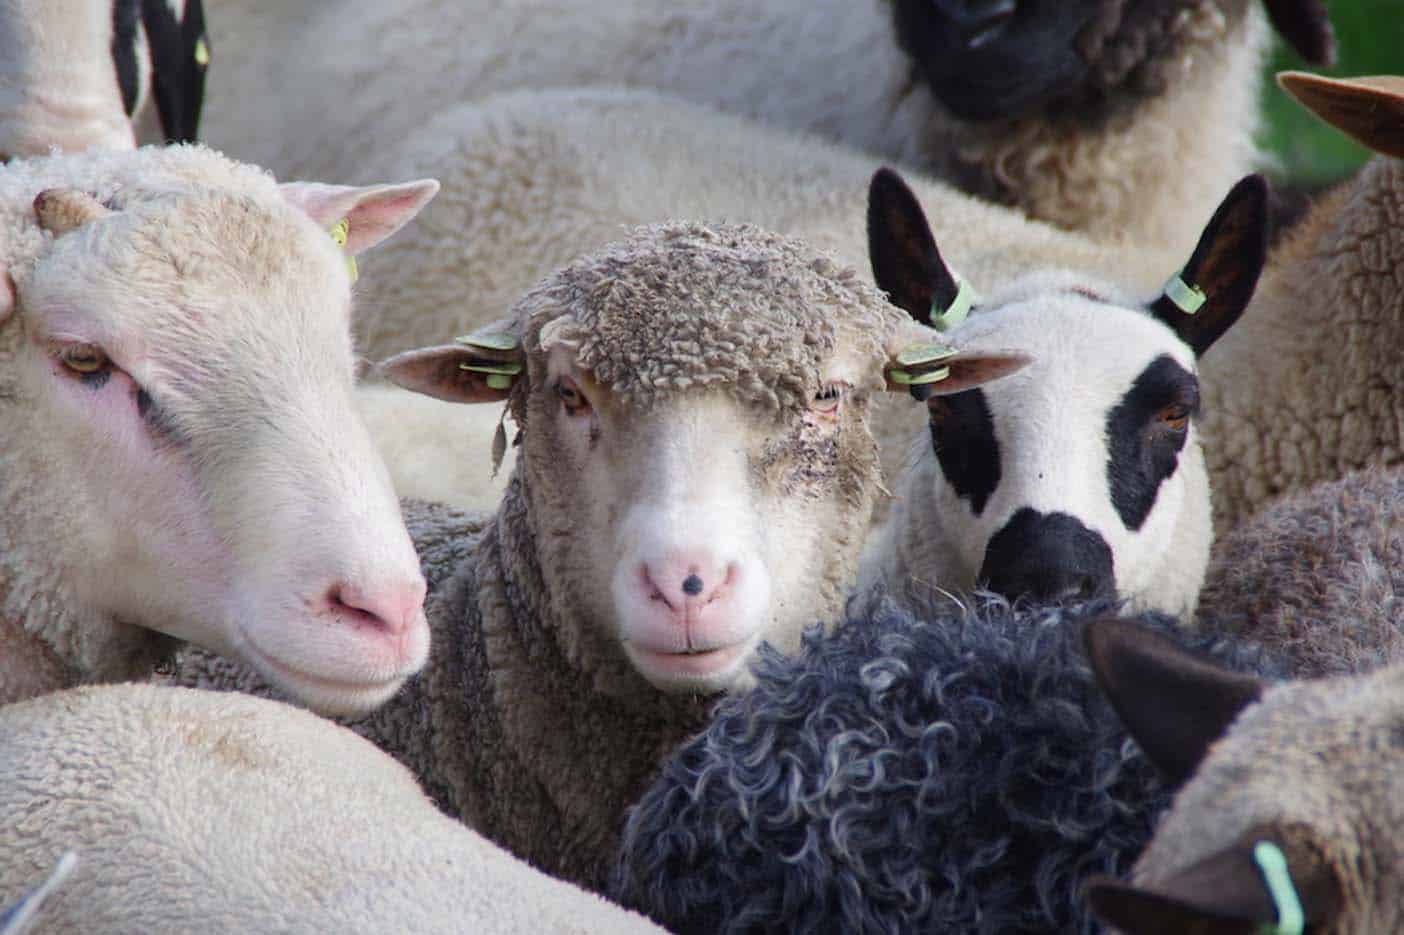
181, 457
1293, 799
110, 73
949, 770
1081, 476
695, 472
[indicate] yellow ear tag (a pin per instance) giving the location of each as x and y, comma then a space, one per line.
202, 52
340, 231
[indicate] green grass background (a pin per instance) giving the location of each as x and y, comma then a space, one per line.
1369, 41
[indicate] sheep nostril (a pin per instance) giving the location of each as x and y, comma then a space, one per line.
692, 586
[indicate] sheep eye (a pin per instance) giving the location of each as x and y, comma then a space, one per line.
572, 399
83, 358
1174, 417
827, 399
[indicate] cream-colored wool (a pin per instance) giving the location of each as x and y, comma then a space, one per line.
1150, 172
198, 811
1318, 576
531, 721
1315, 764
208, 480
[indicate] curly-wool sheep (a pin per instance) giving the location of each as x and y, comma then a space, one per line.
195, 811
182, 457
109, 73
949, 770
1317, 575
694, 475
1090, 115
1305, 775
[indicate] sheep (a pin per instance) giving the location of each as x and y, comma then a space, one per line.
1091, 115
182, 459
1318, 575
1304, 775
107, 73
1083, 475
694, 473
200, 811
1311, 387
951, 769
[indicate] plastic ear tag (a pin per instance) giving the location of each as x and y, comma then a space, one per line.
1187, 298
955, 313
341, 232
499, 376
925, 354
1273, 865
491, 341
907, 378
202, 52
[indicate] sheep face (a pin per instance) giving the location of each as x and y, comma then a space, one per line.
182, 383
1310, 767
696, 452
1082, 476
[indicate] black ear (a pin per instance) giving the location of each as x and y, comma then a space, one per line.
906, 264
180, 55
1306, 27
1174, 704
1223, 269
1224, 893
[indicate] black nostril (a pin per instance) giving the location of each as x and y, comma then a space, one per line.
692, 585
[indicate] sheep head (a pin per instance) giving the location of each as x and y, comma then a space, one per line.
695, 444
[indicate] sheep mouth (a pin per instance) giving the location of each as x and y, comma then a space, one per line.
326, 694
691, 667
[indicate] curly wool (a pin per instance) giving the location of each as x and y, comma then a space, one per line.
948, 770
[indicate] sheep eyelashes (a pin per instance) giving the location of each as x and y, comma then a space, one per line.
1081, 476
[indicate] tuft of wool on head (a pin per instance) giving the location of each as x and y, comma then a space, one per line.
947, 769
682, 305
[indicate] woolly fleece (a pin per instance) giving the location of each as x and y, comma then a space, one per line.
952, 770
199, 811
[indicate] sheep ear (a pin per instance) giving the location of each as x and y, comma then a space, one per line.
1173, 703
478, 368
180, 56
372, 213
920, 363
1211, 292
61, 210
1306, 27
1369, 110
1224, 893
906, 264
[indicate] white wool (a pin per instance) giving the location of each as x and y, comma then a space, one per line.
200, 811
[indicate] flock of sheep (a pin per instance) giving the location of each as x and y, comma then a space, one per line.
822, 547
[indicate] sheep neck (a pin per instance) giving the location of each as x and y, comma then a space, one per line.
586, 755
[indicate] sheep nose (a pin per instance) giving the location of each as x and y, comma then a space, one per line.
979, 22
1048, 557
687, 582
393, 607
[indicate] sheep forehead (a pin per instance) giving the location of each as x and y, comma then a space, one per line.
679, 306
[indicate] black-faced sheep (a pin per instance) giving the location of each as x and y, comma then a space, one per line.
952, 770
196, 811
181, 454
1293, 799
694, 477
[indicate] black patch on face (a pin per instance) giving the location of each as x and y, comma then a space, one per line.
1048, 557
124, 57
1143, 449
962, 435
158, 422
97, 379
177, 80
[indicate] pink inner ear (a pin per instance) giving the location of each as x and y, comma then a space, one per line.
7, 294
372, 212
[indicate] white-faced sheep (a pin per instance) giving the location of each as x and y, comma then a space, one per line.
1311, 387
1081, 476
1290, 817
182, 457
109, 73
694, 477
952, 770
1087, 114
1318, 575
195, 811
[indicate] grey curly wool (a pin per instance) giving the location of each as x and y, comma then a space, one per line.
1318, 575
948, 770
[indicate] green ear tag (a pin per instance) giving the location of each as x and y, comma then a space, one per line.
340, 233
1187, 298
955, 313
492, 341
499, 376
907, 378
1273, 865
202, 52
925, 354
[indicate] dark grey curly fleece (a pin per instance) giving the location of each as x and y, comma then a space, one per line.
944, 771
